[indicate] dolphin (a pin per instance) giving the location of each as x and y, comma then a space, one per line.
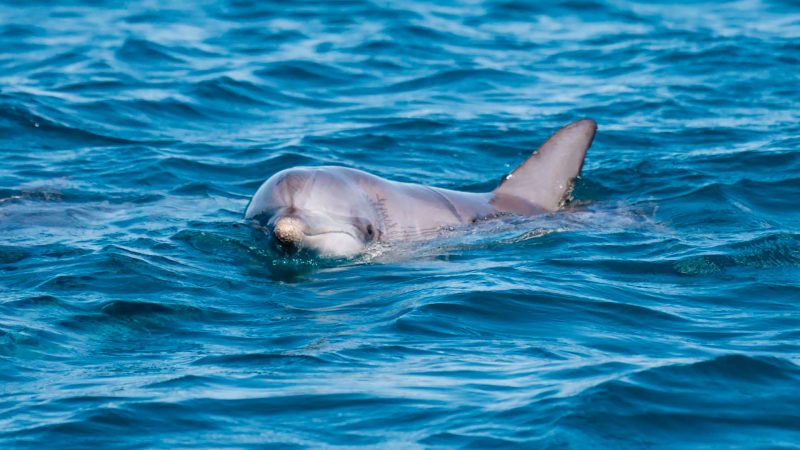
338, 212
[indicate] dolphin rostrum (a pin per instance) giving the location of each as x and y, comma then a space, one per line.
338, 212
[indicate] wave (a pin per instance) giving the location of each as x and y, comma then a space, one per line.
771, 251
25, 128
661, 402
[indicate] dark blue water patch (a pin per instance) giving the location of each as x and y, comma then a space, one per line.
230, 92
139, 51
663, 393
772, 251
256, 39
304, 74
10, 255
27, 128
141, 316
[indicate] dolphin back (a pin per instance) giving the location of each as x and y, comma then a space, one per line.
544, 181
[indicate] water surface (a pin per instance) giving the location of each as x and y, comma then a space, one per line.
662, 310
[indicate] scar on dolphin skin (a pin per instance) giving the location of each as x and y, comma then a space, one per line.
338, 211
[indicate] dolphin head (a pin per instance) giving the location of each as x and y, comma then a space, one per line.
314, 210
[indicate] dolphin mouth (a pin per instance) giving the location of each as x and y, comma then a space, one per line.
296, 244
321, 233
301, 234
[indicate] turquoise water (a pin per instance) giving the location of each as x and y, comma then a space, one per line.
661, 310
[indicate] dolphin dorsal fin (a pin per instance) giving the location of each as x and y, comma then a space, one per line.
542, 182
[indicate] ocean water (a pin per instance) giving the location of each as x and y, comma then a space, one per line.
660, 310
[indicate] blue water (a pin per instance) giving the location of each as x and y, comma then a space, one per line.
661, 310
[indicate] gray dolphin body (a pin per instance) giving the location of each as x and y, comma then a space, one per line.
338, 212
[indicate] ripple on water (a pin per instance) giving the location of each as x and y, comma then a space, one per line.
673, 400
771, 251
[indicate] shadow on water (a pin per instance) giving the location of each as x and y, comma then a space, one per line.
245, 250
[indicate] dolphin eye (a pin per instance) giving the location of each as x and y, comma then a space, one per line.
370, 230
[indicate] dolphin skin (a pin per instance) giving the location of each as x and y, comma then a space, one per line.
338, 212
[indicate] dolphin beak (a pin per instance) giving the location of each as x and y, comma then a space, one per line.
289, 231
